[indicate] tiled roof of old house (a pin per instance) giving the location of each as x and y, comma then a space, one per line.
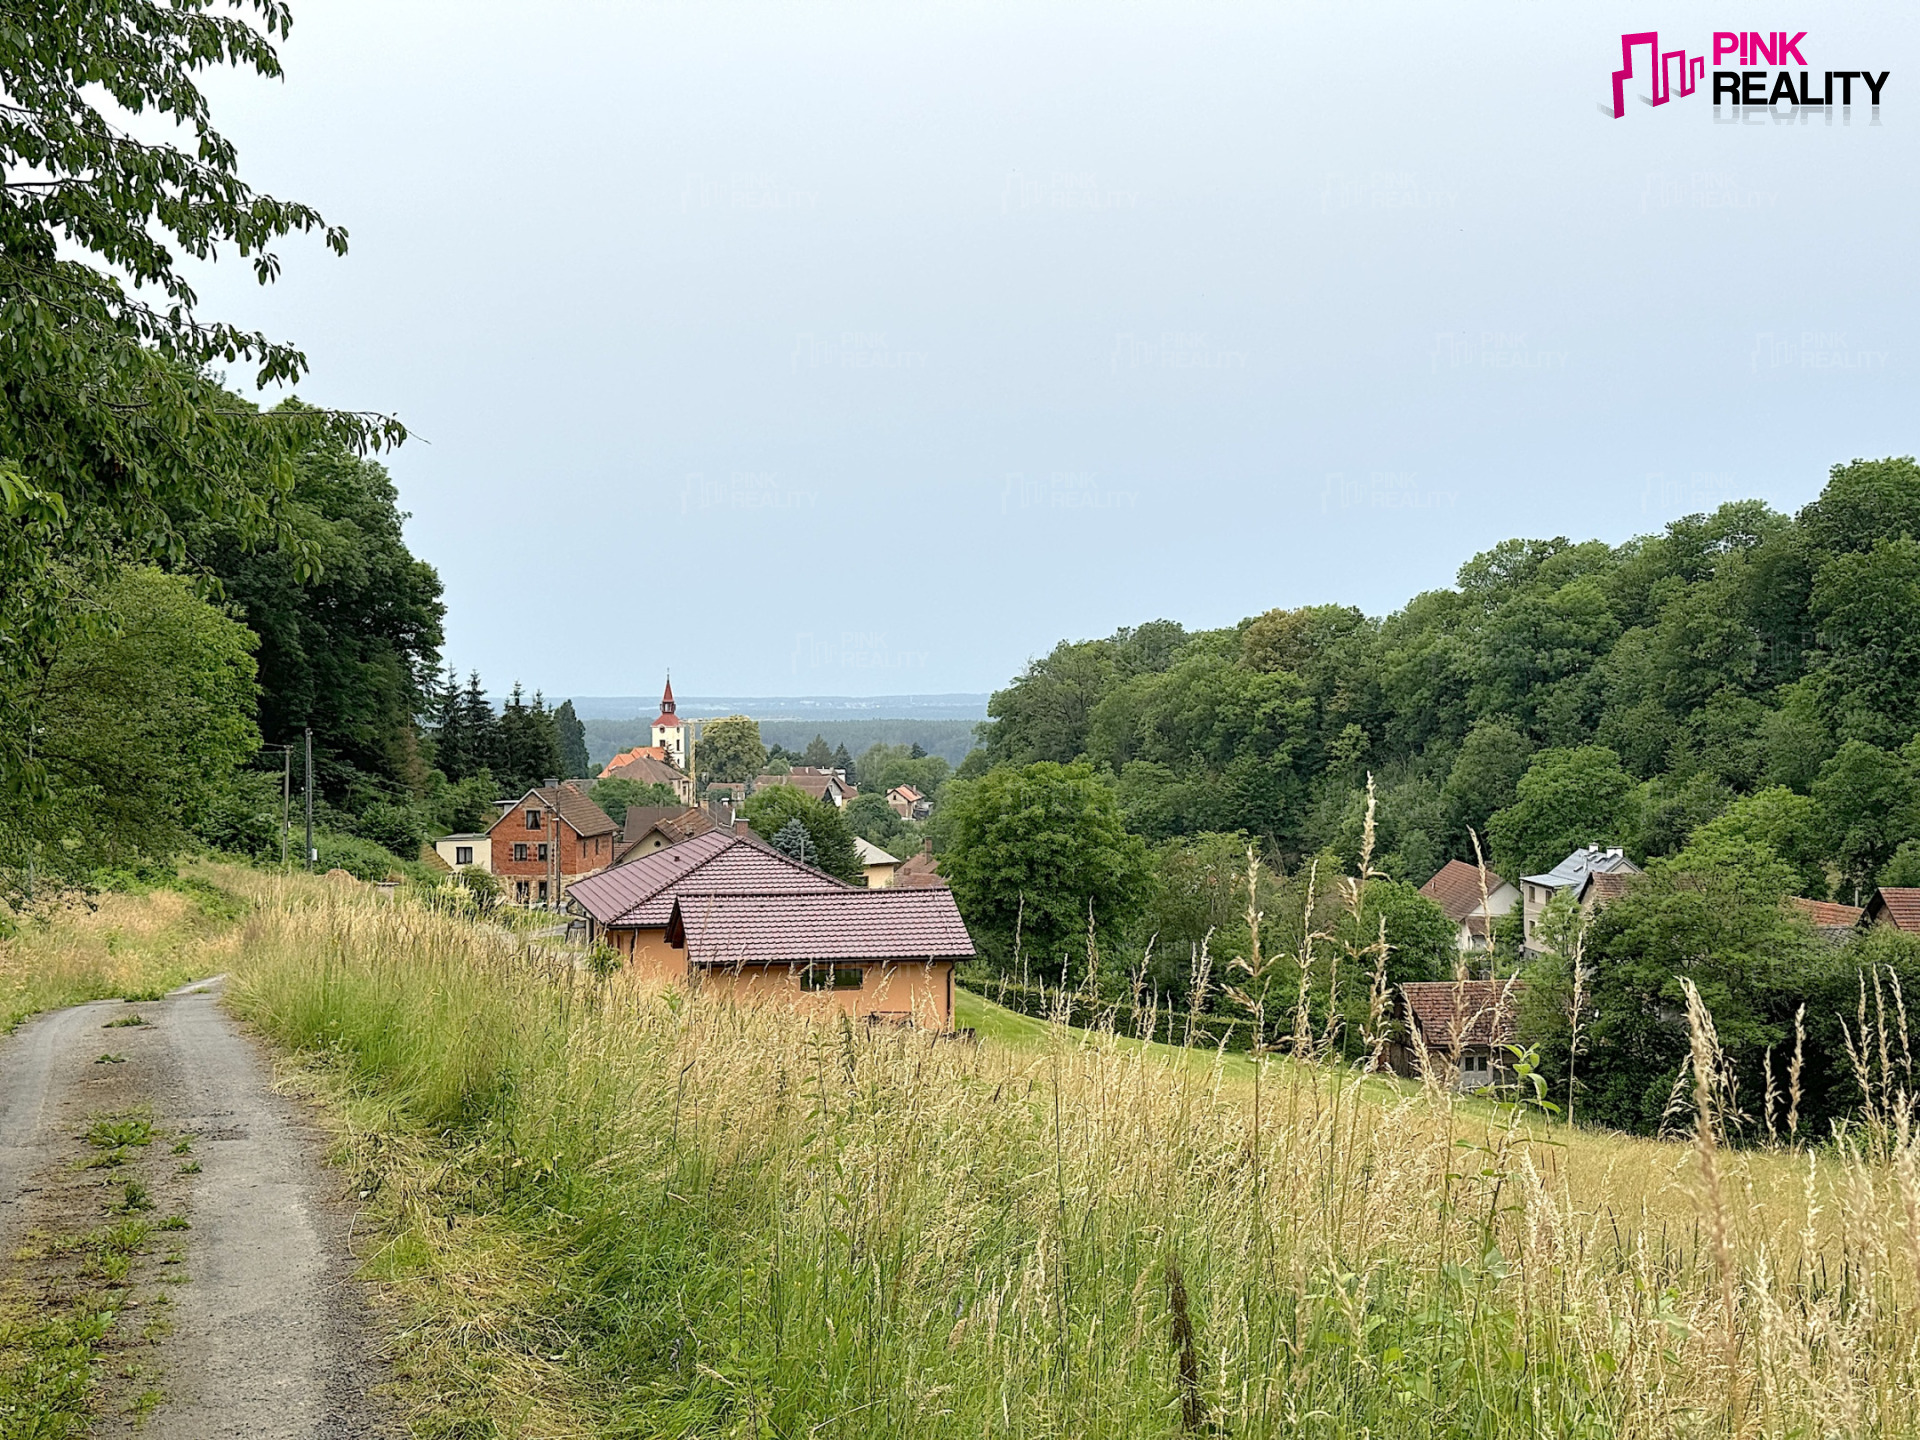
573, 806
871, 854
1896, 905
735, 929
641, 892
1456, 889
1486, 1011
1827, 915
919, 871
643, 768
677, 823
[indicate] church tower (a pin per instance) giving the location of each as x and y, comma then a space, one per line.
670, 731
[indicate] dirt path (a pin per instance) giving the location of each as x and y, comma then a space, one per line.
268, 1336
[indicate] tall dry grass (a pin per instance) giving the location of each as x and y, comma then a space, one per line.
638, 1214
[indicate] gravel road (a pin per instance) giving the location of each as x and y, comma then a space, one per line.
270, 1335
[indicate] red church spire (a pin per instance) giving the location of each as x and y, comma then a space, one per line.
666, 698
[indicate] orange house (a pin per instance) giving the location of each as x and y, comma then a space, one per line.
629, 905
874, 954
546, 840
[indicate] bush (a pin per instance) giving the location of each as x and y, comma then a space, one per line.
359, 857
399, 828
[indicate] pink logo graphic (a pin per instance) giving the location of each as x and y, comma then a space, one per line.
1692, 69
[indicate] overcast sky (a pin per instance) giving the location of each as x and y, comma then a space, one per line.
868, 348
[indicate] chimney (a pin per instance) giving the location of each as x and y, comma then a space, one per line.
552, 781
741, 827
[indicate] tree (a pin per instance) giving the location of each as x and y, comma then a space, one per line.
730, 749
1042, 849
1794, 827
1752, 963
793, 840
843, 762
109, 428
1484, 779
350, 624
873, 820
771, 807
1421, 940
1870, 796
1567, 798
143, 721
572, 738
818, 756
529, 745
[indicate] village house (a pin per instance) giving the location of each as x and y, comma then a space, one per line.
919, 871
1594, 874
645, 770
1462, 1027
465, 851
648, 828
876, 863
909, 803
1473, 899
1895, 905
628, 906
882, 955
828, 785
546, 840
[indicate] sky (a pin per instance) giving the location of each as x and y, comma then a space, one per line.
861, 349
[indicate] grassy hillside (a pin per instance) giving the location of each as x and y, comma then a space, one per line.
618, 1213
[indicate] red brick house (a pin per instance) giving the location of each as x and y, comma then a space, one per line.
547, 839
1895, 905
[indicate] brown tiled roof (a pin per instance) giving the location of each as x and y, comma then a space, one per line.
792, 929
574, 807
1896, 905
905, 792
678, 823
651, 752
919, 871
1456, 889
645, 769
1827, 915
815, 785
1605, 886
641, 891
1488, 1010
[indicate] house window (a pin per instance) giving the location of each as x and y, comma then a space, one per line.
533, 819
833, 977
543, 892
542, 853
520, 850
520, 891
463, 854
1474, 1069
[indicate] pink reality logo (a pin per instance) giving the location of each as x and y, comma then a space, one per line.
1745, 86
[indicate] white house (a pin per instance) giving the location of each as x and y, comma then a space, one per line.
1592, 873
1458, 889
466, 852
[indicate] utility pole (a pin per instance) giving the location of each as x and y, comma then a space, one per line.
311, 855
286, 804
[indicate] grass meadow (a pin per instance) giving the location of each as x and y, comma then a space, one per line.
599, 1211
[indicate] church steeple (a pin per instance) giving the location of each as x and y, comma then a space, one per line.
666, 697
